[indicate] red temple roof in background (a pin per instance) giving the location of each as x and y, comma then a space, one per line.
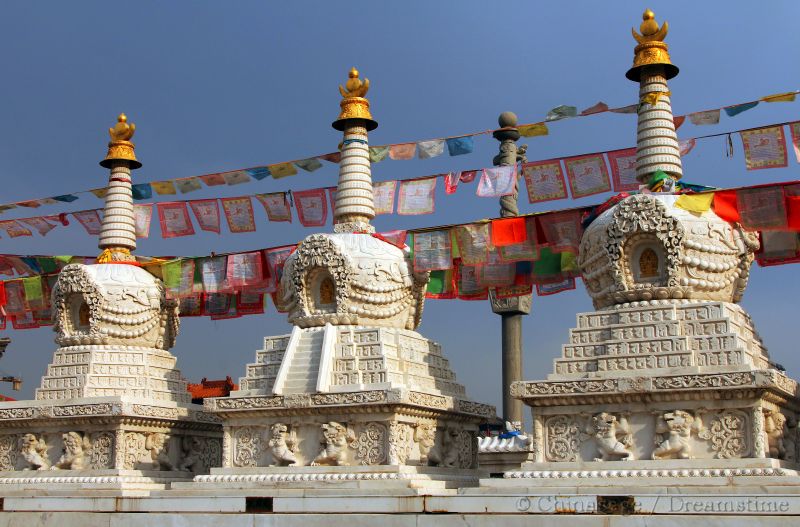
206, 388
6, 398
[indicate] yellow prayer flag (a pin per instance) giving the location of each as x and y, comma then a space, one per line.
698, 203
533, 130
653, 97
282, 170
780, 97
100, 192
569, 262
164, 187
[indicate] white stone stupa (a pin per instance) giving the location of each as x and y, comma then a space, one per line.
112, 411
667, 384
353, 394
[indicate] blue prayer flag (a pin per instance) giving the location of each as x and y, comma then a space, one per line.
258, 173
460, 145
739, 108
66, 198
142, 191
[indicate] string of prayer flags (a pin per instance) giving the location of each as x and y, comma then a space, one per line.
40, 224
736, 109
429, 149
457, 146
187, 185
533, 130
239, 213
705, 118
416, 196
432, 250
142, 216
795, 130
206, 212
623, 169
282, 170
561, 112
90, 219
497, 182
587, 175
309, 165
762, 208
544, 181
276, 205
383, 197
245, 270
312, 207
174, 219
403, 151
764, 148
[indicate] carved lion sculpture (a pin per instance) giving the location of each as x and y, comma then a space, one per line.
34, 451
157, 444
774, 423
452, 443
613, 437
282, 444
74, 455
425, 436
674, 431
335, 437
192, 455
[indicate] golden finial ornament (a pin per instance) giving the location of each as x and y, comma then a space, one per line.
120, 147
651, 49
353, 103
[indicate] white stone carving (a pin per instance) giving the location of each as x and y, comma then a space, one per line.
281, 445
74, 456
157, 443
335, 438
34, 452
612, 436
425, 436
775, 429
673, 434
193, 454
370, 444
728, 434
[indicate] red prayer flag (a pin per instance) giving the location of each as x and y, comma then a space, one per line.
239, 213
587, 175
544, 181
213, 180
623, 169
206, 212
39, 223
174, 219
792, 196
725, 205
312, 207
276, 206
508, 231
90, 219
14, 229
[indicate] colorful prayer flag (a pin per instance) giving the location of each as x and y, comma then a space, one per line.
457, 146
429, 149
561, 112
467, 286
179, 277
281, 170
66, 198
686, 146
555, 287
41, 225
678, 121
416, 196
276, 206
213, 180
191, 306
250, 303
206, 212
396, 237
312, 207
631, 108
739, 108
697, 203
383, 197
239, 213
495, 273
441, 285
188, 185
245, 270
141, 191
562, 230
90, 219
142, 215
521, 250
623, 169
259, 173
780, 97
703, 118
236, 178
473, 242
587, 175
778, 247
24, 320
508, 231
333, 157
174, 219
762, 208
378, 153
164, 188
597, 108
15, 298
432, 251
451, 180
764, 148
402, 151
99, 192
544, 181
213, 273
533, 130
276, 257
497, 181
309, 165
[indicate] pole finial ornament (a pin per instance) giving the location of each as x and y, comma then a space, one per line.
651, 49
354, 105
120, 147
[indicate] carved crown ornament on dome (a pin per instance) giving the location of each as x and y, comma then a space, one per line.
345, 279
646, 249
112, 304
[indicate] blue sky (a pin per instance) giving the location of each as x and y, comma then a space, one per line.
215, 86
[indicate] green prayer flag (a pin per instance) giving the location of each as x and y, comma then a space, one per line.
568, 262
48, 264
548, 264
440, 283
33, 288
378, 153
172, 273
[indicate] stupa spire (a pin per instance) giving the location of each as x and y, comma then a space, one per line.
354, 199
657, 146
118, 231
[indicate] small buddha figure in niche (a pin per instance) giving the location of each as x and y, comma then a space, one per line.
326, 292
648, 264
83, 315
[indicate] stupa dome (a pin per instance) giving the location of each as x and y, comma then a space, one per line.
351, 279
645, 249
112, 304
